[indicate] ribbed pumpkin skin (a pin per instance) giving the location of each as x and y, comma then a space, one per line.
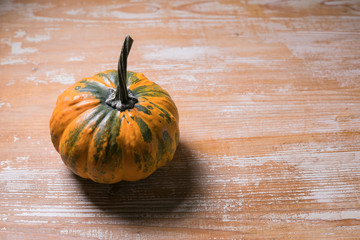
99, 142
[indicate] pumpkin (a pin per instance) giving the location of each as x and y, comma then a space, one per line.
116, 125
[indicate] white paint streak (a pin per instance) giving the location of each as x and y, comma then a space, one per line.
97, 233
19, 34
117, 12
38, 38
10, 60
17, 49
252, 61
326, 195
11, 82
75, 12
32, 221
4, 103
16, 139
330, 215
188, 78
55, 76
8, 168
156, 52
321, 185
320, 216
5, 162
209, 6
75, 59
52, 29
22, 158
341, 3
35, 80
60, 76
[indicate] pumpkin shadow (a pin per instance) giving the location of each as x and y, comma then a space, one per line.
159, 196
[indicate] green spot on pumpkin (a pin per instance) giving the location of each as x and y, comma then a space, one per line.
138, 161
144, 162
177, 139
144, 129
164, 146
148, 162
54, 137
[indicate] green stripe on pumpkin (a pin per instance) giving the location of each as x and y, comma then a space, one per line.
164, 147
153, 90
132, 78
144, 129
69, 146
108, 131
145, 162
102, 75
165, 115
113, 147
148, 162
97, 89
113, 77
143, 109
137, 161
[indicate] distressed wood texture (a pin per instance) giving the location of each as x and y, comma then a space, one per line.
268, 94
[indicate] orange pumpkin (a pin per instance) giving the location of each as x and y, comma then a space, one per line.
116, 125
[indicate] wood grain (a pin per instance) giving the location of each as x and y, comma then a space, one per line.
269, 99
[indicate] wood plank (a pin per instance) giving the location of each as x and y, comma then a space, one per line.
269, 100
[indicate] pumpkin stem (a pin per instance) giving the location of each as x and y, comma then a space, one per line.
122, 98
122, 92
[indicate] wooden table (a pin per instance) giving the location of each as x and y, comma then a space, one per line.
269, 99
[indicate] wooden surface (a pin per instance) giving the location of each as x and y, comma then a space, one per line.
269, 100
